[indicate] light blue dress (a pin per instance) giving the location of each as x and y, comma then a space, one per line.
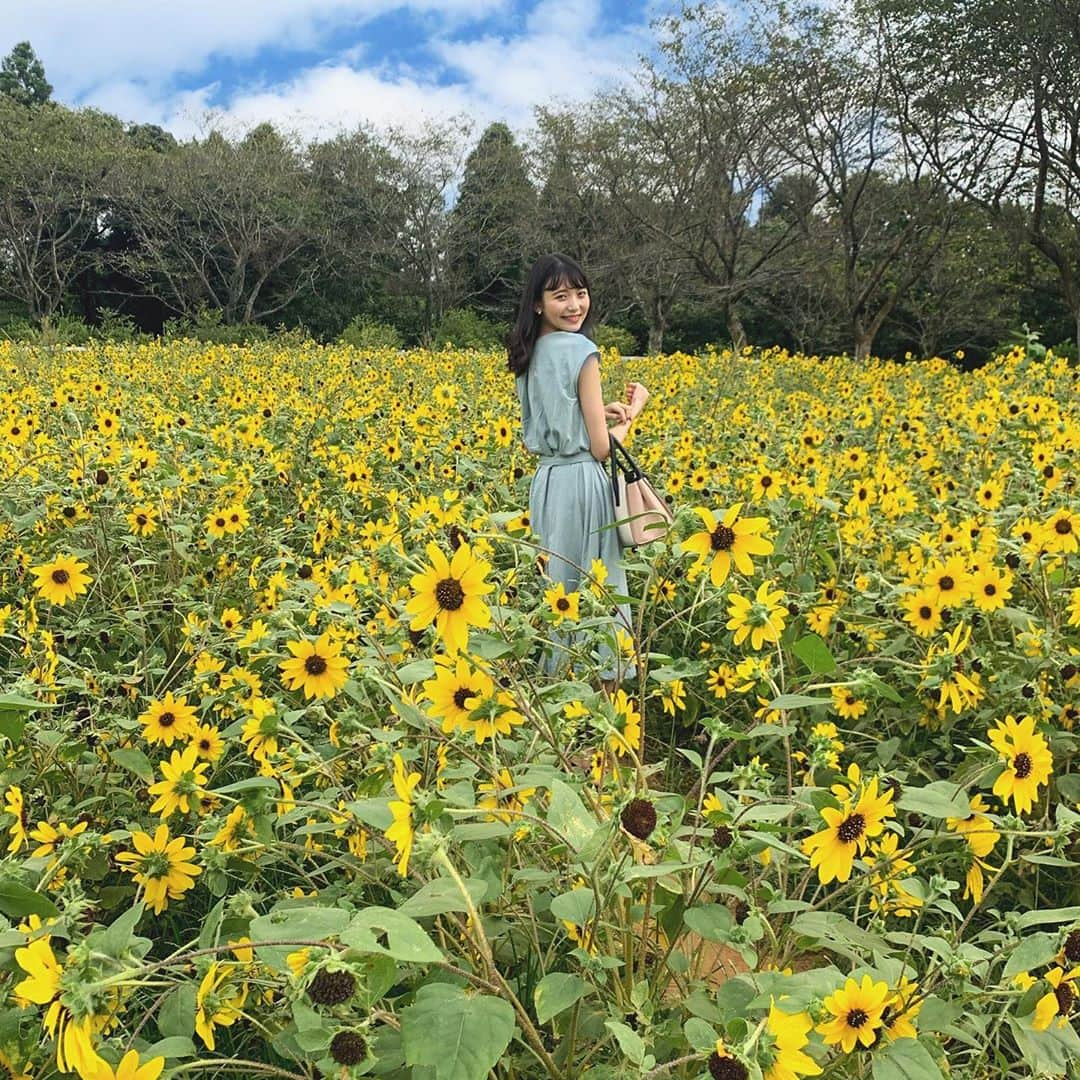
570, 499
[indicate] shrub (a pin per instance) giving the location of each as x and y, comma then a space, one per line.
115, 326
616, 337
207, 326
462, 328
364, 332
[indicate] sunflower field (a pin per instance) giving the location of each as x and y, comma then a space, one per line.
284, 794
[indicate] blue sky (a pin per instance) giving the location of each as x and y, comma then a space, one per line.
316, 66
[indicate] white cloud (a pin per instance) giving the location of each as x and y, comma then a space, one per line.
85, 45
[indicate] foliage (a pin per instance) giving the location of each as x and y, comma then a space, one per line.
615, 337
207, 325
465, 329
283, 790
364, 332
22, 77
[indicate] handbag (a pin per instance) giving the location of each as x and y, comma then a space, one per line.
640, 510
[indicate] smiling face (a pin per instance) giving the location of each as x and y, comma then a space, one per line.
563, 308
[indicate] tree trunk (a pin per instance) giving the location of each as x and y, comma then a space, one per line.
657, 325
736, 328
656, 339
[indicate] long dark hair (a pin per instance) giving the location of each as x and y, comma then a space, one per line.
548, 272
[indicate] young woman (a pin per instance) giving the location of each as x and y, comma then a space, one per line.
564, 421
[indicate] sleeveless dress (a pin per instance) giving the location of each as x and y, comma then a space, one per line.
570, 497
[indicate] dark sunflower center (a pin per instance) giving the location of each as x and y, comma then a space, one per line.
766, 481
857, 1017
946, 582
462, 694
925, 612
348, 1048
851, 828
990, 589
726, 1068
60, 577
562, 604
1022, 766
1063, 526
140, 519
166, 719
315, 665
722, 538
1065, 997
449, 594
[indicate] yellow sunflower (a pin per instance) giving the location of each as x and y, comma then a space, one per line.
317, 667
563, 605
726, 540
448, 594
400, 833
856, 1010
1028, 761
790, 1033
762, 618
849, 828
182, 787
169, 719
1059, 1001
455, 685
130, 1069
162, 865
216, 1006
61, 580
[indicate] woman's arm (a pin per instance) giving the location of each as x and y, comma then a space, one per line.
591, 396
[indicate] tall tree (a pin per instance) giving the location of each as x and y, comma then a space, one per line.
992, 92
491, 225
56, 168
22, 76
235, 226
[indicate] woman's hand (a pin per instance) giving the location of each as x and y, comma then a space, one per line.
636, 395
617, 411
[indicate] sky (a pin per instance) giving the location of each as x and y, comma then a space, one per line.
319, 66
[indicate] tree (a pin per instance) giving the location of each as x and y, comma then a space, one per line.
235, 226
840, 123
992, 93
491, 225
57, 170
22, 76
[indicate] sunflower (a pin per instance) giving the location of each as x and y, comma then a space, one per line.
317, 667
208, 742
846, 703
785, 1059
169, 719
1059, 1002
627, 733
214, 1006
1060, 531
62, 580
14, 805
182, 786
448, 594
563, 605
491, 715
130, 1069
161, 864
991, 588
400, 833
455, 685
948, 583
898, 1019
923, 612
142, 519
976, 829
849, 828
235, 831
729, 539
856, 1011
761, 618
1028, 761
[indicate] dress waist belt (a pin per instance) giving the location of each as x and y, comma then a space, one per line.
566, 459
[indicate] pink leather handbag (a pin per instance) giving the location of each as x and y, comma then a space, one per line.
640, 510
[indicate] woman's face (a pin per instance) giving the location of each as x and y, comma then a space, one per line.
563, 308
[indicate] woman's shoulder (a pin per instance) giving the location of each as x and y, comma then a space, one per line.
571, 341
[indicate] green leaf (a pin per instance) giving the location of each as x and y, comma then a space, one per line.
299, 924
1047, 1053
175, 1046
576, 906
12, 725
711, 921
941, 799
460, 1036
814, 653
556, 992
700, 1035
135, 761
1034, 951
17, 901
176, 1017
568, 816
405, 939
905, 1059
440, 896
117, 936
18, 703
630, 1042
1050, 915
797, 701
